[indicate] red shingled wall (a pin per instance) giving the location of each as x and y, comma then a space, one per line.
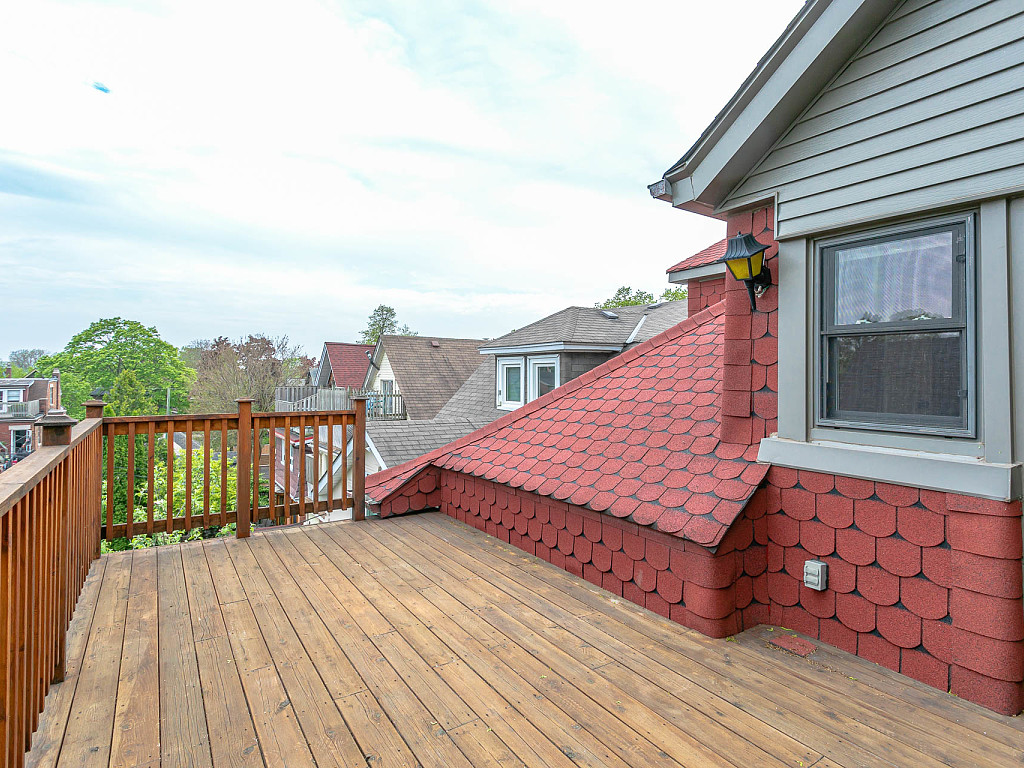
924, 583
708, 591
701, 294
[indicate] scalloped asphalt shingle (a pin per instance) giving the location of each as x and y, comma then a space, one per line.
636, 438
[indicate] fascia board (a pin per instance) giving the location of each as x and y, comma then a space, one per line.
686, 275
529, 349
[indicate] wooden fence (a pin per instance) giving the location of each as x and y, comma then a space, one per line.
58, 504
49, 536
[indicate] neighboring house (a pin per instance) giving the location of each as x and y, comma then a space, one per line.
417, 375
876, 151
534, 360
704, 276
342, 365
23, 401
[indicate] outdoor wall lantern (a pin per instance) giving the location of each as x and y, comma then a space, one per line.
745, 259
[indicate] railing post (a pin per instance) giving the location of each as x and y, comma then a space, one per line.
57, 427
359, 459
94, 409
243, 466
56, 432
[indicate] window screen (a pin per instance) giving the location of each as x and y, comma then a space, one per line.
895, 331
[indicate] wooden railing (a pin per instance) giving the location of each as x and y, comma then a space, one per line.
175, 473
49, 536
59, 503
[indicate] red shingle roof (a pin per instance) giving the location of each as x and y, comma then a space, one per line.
349, 362
709, 255
637, 438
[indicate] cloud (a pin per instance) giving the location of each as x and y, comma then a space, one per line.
285, 167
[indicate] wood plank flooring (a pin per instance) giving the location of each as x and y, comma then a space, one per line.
419, 641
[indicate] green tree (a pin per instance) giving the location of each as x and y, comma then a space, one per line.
250, 367
626, 297
382, 322
128, 396
678, 293
95, 357
23, 361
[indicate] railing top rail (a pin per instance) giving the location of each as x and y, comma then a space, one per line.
17, 481
302, 414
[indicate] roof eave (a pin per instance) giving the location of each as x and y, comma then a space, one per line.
822, 36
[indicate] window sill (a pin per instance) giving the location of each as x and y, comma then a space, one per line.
936, 471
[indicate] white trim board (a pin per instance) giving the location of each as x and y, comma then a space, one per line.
554, 346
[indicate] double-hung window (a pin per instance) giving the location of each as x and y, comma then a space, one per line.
544, 375
897, 330
510, 383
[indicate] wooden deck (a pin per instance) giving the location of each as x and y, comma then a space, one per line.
420, 641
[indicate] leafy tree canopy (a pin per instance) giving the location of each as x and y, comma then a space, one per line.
250, 367
128, 396
678, 293
383, 321
97, 356
625, 296
23, 361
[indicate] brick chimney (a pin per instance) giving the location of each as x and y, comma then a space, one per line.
750, 376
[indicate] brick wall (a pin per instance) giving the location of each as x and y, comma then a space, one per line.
701, 294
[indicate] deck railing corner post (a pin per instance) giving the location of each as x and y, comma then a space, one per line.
359, 458
243, 466
94, 409
56, 427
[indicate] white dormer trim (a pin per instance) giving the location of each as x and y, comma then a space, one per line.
559, 346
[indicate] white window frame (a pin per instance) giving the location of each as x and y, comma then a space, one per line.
537, 362
503, 364
31, 438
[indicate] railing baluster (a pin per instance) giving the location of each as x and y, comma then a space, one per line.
330, 464
206, 473
287, 466
255, 469
151, 485
272, 460
302, 468
243, 465
223, 472
188, 475
344, 462
111, 441
170, 476
316, 463
130, 519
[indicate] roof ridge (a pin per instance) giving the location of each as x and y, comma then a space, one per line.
690, 323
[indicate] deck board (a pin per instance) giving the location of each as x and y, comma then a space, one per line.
421, 641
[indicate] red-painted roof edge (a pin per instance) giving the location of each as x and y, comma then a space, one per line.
687, 325
701, 258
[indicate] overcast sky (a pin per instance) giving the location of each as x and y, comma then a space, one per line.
284, 167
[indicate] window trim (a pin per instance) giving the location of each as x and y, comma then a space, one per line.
824, 290
510, 362
536, 362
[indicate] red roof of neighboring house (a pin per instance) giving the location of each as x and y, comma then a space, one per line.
349, 363
636, 437
709, 255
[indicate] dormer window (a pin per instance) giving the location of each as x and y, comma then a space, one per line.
510, 383
543, 375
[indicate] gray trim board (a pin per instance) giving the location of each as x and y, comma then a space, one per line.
686, 275
551, 347
938, 472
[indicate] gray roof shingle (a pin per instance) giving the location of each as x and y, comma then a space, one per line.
429, 375
590, 325
400, 441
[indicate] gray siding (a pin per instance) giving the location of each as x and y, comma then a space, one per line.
930, 112
575, 364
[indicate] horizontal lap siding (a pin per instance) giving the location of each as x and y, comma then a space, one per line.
929, 113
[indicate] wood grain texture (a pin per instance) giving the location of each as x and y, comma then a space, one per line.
419, 641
